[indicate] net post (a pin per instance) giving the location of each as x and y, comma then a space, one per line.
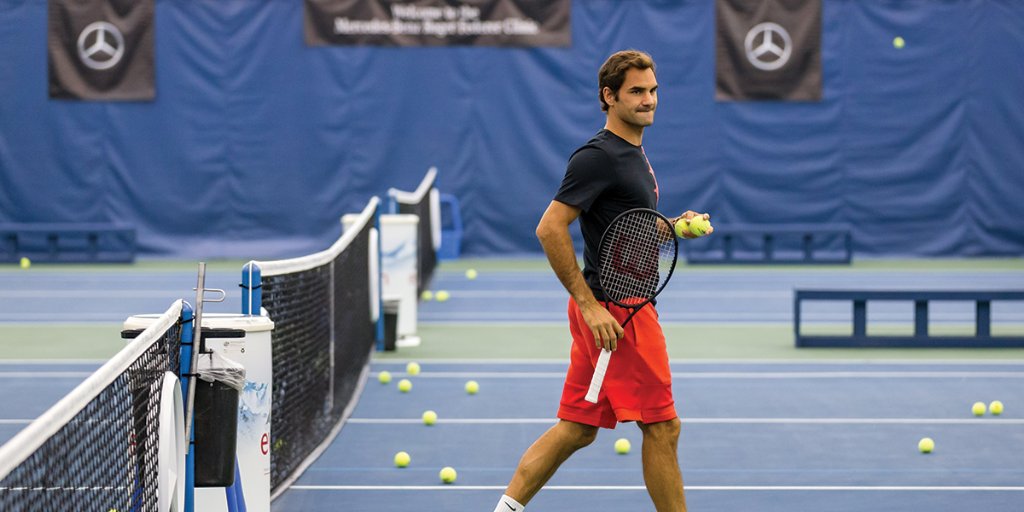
184, 367
252, 291
380, 284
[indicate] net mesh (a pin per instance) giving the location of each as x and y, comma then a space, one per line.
105, 457
637, 257
421, 204
322, 337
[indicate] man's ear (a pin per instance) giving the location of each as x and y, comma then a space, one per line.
609, 95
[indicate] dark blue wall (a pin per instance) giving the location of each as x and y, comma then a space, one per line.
256, 143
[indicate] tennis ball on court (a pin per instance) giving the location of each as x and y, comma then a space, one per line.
622, 446
926, 445
472, 387
996, 407
402, 459
978, 409
681, 228
471, 274
427, 295
413, 368
384, 377
429, 418
699, 226
405, 385
441, 295
448, 474
26, 263
898, 42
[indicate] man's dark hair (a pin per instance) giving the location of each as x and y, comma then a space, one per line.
613, 71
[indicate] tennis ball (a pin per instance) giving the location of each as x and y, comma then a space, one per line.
429, 418
441, 295
427, 295
448, 474
996, 407
471, 274
472, 387
622, 446
413, 368
384, 377
681, 228
926, 445
404, 385
898, 42
699, 226
402, 459
26, 263
978, 409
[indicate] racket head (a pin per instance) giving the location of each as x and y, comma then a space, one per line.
637, 256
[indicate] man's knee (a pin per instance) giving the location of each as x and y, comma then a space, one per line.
580, 434
663, 431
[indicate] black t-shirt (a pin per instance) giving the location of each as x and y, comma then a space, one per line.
605, 177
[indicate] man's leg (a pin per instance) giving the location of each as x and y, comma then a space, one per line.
661, 465
545, 455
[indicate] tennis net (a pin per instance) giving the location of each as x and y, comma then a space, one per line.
325, 308
425, 203
113, 443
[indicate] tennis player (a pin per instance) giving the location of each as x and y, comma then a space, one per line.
605, 177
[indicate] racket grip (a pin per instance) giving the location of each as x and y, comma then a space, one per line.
598, 379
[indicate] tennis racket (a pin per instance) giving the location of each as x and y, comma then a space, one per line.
637, 256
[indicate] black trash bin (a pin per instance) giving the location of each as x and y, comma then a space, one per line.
216, 433
390, 323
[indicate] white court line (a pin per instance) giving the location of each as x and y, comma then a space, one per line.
44, 375
733, 375
593, 488
715, 421
15, 422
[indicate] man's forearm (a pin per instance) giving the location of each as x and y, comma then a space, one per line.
562, 258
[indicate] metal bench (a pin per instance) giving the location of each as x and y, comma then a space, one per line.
773, 244
921, 338
67, 242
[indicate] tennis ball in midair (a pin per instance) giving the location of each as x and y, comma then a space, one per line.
978, 409
699, 226
898, 42
471, 274
441, 295
413, 368
405, 385
402, 459
996, 407
26, 263
926, 445
427, 295
448, 474
622, 446
472, 387
429, 418
384, 377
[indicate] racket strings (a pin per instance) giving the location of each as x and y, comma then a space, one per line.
636, 258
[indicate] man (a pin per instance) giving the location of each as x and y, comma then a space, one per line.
607, 176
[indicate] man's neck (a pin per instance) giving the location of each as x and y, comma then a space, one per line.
629, 133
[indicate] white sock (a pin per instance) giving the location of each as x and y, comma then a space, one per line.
506, 504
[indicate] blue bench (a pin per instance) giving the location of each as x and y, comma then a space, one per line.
772, 244
921, 338
67, 242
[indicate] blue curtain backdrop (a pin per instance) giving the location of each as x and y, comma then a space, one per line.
256, 143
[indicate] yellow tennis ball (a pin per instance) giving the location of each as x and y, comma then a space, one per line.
405, 385
471, 274
926, 445
384, 377
996, 407
472, 387
898, 42
448, 474
622, 446
978, 409
699, 226
681, 228
429, 418
413, 368
441, 295
26, 263
402, 459
427, 295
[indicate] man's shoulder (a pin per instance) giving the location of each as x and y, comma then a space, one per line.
598, 147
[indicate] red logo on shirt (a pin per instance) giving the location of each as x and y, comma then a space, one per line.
651, 170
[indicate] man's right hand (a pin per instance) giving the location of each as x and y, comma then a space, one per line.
603, 325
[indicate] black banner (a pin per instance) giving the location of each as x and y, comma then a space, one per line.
101, 49
768, 50
438, 22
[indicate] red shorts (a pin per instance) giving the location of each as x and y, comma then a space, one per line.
638, 383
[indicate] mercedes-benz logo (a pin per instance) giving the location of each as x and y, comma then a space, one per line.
768, 46
100, 45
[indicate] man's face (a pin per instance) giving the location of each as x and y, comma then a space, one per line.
638, 97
